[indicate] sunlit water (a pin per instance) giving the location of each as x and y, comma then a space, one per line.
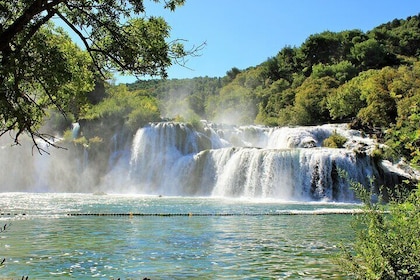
46, 243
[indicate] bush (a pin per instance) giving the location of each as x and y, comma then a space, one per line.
387, 244
335, 141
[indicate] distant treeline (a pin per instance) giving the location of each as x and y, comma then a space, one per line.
370, 79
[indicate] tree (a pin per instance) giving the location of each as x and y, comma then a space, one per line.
400, 36
342, 71
381, 107
271, 100
311, 101
50, 72
271, 69
346, 101
232, 73
116, 35
321, 48
234, 105
135, 108
371, 54
287, 62
404, 137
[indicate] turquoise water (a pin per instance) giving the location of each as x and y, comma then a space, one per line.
46, 243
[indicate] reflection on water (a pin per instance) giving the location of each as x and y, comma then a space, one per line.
47, 244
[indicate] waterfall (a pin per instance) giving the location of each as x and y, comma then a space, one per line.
160, 150
207, 159
255, 162
75, 130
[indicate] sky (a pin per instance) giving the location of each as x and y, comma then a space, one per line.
244, 33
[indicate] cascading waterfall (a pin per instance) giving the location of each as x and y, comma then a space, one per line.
288, 174
279, 163
208, 159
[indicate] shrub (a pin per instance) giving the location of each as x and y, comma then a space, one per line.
387, 244
81, 141
334, 141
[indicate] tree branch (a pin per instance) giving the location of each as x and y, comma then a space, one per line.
34, 28
21, 22
96, 20
84, 40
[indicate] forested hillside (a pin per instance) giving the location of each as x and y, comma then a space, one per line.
369, 79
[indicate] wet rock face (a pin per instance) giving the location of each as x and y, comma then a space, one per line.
397, 174
308, 143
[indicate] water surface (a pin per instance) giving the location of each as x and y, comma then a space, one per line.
46, 243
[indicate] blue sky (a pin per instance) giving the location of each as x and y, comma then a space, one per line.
244, 33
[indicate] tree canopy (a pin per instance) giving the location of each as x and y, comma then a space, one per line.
41, 68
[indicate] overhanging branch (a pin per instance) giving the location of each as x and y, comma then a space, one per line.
84, 41
37, 7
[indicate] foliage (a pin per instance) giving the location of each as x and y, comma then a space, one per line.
41, 68
346, 101
81, 141
348, 57
371, 54
272, 99
321, 48
335, 140
328, 78
400, 36
387, 242
310, 105
342, 71
381, 109
386, 98
136, 108
404, 137
232, 73
29, 88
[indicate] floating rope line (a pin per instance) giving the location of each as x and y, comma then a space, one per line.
286, 213
11, 214
281, 213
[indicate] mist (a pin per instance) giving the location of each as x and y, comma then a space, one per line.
25, 168
233, 106
242, 116
175, 104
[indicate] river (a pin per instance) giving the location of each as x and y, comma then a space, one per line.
85, 236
